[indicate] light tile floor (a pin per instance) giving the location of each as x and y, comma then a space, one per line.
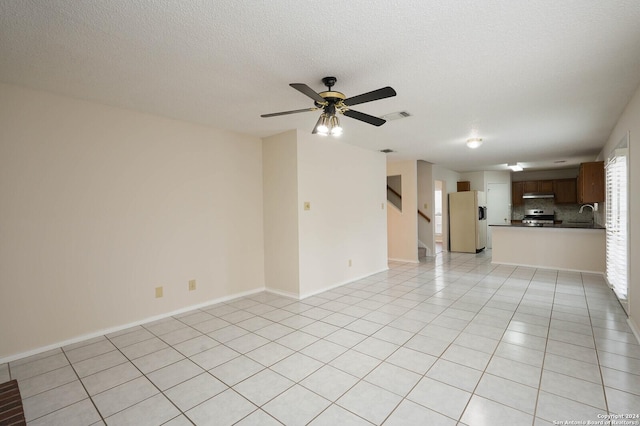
452, 340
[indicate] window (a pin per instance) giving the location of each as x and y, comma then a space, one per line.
617, 220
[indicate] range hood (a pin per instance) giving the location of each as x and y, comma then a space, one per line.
530, 195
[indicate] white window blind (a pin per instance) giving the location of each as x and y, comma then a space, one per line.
617, 220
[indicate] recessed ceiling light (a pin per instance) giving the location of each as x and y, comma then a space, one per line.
473, 143
560, 161
387, 150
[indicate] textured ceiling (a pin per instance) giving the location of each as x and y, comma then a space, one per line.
539, 81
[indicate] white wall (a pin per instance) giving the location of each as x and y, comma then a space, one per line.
426, 197
100, 205
496, 177
280, 186
476, 180
630, 122
346, 188
402, 226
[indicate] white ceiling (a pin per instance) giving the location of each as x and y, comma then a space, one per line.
538, 80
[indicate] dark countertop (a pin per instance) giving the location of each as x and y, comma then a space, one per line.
566, 225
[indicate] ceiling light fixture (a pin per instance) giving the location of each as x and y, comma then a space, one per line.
336, 129
474, 143
515, 167
328, 123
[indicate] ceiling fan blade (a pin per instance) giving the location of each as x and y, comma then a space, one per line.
295, 111
303, 88
364, 117
385, 92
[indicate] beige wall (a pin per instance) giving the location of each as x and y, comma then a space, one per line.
280, 186
402, 226
100, 205
550, 248
346, 188
630, 122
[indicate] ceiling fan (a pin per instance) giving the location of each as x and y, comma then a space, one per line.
332, 103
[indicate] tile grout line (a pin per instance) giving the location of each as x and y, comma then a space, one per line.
494, 351
546, 343
384, 287
424, 375
143, 375
595, 347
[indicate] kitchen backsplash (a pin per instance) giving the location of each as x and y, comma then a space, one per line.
563, 212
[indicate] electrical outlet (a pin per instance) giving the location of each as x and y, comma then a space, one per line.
192, 285
382, 206
425, 206
158, 292
307, 205
350, 263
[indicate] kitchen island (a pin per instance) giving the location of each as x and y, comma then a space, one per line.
569, 246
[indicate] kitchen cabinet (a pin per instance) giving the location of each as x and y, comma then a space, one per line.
591, 182
538, 186
545, 186
517, 190
566, 191
464, 186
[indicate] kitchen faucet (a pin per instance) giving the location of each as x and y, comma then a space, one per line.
594, 208
587, 205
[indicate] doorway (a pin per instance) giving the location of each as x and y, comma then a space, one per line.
498, 206
437, 213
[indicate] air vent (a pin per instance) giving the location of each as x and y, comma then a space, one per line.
396, 115
387, 150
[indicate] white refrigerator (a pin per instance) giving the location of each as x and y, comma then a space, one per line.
467, 221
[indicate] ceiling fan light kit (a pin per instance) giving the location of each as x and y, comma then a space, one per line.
333, 103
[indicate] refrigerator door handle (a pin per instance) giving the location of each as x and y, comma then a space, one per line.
482, 213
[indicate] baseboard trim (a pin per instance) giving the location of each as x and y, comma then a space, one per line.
340, 284
548, 268
286, 294
634, 329
110, 330
391, 259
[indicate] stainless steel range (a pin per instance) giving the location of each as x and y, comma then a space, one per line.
538, 217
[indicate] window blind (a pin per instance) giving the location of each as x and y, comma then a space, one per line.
616, 222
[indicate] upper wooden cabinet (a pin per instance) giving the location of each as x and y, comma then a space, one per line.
517, 190
545, 186
591, 182
566, 191
538, 186
464, 185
